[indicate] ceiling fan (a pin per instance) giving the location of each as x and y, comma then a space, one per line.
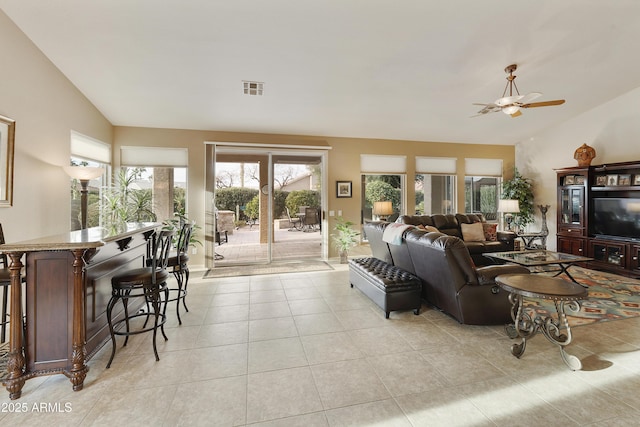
512, 104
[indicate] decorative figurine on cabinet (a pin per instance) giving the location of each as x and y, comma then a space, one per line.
584, 154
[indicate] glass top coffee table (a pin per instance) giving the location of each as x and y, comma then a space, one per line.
540, 258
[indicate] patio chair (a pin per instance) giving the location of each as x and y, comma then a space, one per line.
311, 219
295, 224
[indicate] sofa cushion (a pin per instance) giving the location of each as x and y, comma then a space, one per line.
472, 232
490, 231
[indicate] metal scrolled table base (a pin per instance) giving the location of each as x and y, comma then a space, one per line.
557, 331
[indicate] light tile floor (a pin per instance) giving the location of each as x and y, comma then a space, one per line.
308, 350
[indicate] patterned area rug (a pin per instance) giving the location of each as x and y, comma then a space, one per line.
611, 297
274, 268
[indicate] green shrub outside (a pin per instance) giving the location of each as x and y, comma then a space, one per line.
228, 198
298, 198
378, 191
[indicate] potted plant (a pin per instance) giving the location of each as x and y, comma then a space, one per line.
520, 189
345, 238
176, 223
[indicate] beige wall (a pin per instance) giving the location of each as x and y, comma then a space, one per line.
46, 107
343, 160
612, 129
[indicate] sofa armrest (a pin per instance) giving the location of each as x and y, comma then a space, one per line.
488, 274
506, 236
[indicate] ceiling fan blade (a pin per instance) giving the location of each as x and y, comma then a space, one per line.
516, 114
488, 108
529, 97
543, 104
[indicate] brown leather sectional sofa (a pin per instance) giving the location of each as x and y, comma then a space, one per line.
450, 280
451, 225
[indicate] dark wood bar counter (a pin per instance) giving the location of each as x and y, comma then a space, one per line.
68, 286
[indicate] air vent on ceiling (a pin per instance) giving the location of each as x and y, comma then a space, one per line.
252, 88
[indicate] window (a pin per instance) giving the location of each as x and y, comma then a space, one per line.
382, 188
481, 195
157, 180
383, 180
482, 185
86, 151
435, 185
435, 194
152, 193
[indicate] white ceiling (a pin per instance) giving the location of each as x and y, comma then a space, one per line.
401, 69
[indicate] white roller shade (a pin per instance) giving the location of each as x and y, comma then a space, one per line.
483, 167
373, 163
89, 148
442, 165
154, 156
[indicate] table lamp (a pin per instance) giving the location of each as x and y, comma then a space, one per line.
508, 207
84, 174
382, 209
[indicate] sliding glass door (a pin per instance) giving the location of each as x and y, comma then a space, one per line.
267, 205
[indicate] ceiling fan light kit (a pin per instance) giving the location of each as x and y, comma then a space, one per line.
511, 104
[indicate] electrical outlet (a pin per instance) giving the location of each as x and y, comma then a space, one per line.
340, 213
194, 250
332, 213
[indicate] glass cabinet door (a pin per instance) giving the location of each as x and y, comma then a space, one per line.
571, 200
565, 212
576, 206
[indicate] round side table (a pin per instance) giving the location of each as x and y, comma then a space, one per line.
564, 294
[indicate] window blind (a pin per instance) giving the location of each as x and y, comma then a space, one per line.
90, 148
374, 163
483, 167
154, 156
442, 165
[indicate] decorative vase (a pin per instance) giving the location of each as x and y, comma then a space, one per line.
344, 257
584, 154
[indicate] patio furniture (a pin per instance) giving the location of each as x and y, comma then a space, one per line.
295, 224
311, 219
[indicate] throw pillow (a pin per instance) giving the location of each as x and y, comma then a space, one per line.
490, 232
472, 232
428, 228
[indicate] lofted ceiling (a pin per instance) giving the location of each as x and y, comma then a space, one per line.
401, 69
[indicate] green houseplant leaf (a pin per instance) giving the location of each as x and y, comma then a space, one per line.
520, 189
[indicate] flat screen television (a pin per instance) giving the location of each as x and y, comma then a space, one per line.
616, 217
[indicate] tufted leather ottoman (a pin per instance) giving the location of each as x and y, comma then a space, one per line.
390, 287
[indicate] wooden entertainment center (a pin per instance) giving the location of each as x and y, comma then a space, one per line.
599, 215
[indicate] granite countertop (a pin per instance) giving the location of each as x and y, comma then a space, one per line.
81, 239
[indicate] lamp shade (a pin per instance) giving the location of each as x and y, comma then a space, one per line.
382, 208
508, 206
510, 109
83, 173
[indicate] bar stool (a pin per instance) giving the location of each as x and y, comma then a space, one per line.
145, 282
178, 263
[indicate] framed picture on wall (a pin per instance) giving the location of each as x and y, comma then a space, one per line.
601, 180
579, 180
343, 188
569, 180
612, 179
636, 179
624, 179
